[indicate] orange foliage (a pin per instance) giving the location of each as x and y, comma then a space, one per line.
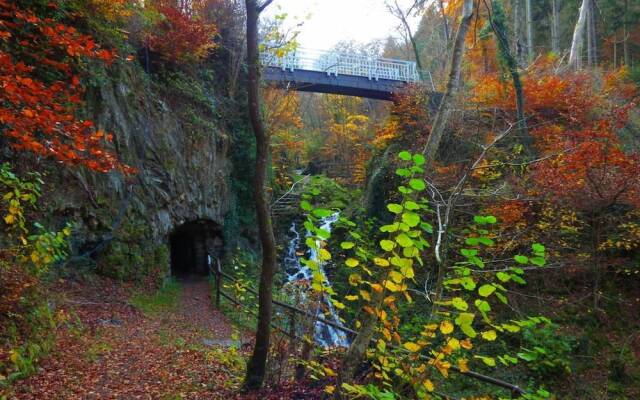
37, 107
510, 213
282, 116
409, 122
111, 10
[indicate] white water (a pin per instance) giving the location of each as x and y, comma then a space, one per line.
325, 335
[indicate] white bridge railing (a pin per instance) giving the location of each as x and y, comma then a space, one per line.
336, 64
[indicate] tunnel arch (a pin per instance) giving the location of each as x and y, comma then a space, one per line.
191, 244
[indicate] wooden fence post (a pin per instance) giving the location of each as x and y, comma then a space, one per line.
218, 282
292, 331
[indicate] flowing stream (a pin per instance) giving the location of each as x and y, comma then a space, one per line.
295, 271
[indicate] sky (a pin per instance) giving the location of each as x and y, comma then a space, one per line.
332, 21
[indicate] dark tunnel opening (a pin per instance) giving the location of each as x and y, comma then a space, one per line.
192, 244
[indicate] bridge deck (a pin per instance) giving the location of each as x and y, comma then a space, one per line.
345, 74
320, 82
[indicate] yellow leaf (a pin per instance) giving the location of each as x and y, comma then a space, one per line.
329, 372
428, 385
324, 255
381, 262
431, 327
463, 365
330, 389
446, 327
453, 344
391, 286
352, 262
412, 347
489, 335
338, 305
351, 298
9, 219
35, 257
396, 276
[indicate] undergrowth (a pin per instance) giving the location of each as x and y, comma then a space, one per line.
163, 300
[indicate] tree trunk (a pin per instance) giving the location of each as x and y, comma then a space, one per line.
575, 57
442, 117
530, 49
256, 367
499, 26
400, 14
358, 348
517, 28
590, 35
445, 21
555, 26
625, 34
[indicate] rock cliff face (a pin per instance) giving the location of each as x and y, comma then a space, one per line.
125, 223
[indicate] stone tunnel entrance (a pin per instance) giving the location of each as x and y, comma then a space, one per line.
191, 244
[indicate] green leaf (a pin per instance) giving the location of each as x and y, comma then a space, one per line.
395, 208
418, 159
468, 283
417, 184
387, 245
390, 228
528, 356
538, 261
503, 276
426, 227
538, 248
411, 219
411, 206
490, 361
322, 212
404, 240
469, 331
347, 245
468, 253
465, 319
460, 304
520, 259
405, 156
491, 219
403, 172
486, 290
480, 220
305, 205
501, 297
483, 305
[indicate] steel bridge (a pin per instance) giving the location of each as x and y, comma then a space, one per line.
346, 74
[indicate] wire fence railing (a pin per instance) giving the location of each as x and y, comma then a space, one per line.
335, 63
297, 317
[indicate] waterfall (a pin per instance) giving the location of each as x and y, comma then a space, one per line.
295, 271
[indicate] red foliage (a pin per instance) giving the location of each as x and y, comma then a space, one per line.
40, 90
182, 36
575, 119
